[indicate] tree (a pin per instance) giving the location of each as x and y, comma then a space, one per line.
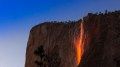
41, 54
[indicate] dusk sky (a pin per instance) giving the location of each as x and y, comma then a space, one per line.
17, 17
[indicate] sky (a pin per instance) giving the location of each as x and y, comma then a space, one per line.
17, 17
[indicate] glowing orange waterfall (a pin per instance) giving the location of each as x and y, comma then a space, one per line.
79, 45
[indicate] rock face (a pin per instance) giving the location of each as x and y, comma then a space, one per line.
56, 42
91, 42
102, 48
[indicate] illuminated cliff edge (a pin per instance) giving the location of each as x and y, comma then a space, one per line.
91, 42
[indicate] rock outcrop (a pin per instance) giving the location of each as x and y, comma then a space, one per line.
102, 48
58, 41
91, 42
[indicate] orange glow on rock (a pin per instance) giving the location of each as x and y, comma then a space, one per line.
79, 44
79, 53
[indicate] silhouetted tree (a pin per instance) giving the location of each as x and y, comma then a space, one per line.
41, 54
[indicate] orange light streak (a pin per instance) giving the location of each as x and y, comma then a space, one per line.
79, 45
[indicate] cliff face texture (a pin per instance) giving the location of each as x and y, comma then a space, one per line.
102, 42
58, 43
91, 42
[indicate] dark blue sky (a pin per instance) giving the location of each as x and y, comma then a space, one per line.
55, 9
18, 16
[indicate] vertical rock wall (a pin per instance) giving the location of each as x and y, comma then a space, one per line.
102, 42
58, 41
97, 44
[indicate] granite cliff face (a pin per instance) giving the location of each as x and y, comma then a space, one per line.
91, 42
58, 41
102, 42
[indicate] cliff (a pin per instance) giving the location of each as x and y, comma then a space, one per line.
91, 42
102, 48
